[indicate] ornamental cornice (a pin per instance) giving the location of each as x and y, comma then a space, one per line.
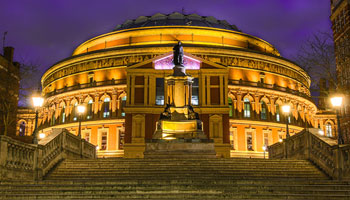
124, 57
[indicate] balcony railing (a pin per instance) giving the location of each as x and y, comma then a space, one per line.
269, 86
270, 118
86, 85
70, 118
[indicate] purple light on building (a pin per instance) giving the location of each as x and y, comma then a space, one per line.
167, 63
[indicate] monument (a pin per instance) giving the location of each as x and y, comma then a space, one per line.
179, 131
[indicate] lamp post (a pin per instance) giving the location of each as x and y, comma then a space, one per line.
264, 148
37, 102
81, 110
336, 103
286, 110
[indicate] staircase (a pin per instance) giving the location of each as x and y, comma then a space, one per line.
120, 178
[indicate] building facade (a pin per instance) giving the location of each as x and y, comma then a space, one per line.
240, 84
9, 90
340, 17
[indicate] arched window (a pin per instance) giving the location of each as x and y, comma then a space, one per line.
195, 92
53, 120
122, 105
63, 114
106, 111
328, 130
22, 129
89, 110
230, 106
246, 107
74, 112
278, 117
263, 113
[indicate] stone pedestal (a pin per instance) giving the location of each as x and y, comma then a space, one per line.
179, 132
180, 148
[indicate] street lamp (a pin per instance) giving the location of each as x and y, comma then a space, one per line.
264, 148
37, 102
286, 110
81, 110
42, 135
336, 103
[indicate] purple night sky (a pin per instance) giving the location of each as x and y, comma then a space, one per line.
44, 32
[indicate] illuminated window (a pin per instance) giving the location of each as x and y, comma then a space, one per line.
262, 77
63, 114
159, 91
280, 136
121, 134
278, 117
195, 92
87, 136
230, 106
123, 103
246, 108
232, 139
250, 141
328, 130
89, 110
22, 129
266, 139
106, 111
103, 140
263, 113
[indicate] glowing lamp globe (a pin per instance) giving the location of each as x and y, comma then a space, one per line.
37, 101
286, 108
42, 135
81, 109
336, 101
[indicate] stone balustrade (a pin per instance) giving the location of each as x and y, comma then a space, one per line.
20, 160
324, 152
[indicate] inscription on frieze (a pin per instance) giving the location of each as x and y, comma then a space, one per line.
127, 60
254, 64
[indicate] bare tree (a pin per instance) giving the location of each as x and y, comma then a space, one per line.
317, 57
7, 111
29, 82
9, 87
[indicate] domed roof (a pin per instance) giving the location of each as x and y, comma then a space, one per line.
174, 19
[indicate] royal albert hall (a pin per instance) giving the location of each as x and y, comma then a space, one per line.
240, 84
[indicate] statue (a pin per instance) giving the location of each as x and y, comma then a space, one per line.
178, 54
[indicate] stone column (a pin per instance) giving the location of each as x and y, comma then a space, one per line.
239, 102
202, 90
132, 90
96, 102
257, 104
152, 90
145, 92
114, 102
226, 90
208, 89
221, 85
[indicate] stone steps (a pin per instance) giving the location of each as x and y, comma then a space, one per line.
119, 178
180, 195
